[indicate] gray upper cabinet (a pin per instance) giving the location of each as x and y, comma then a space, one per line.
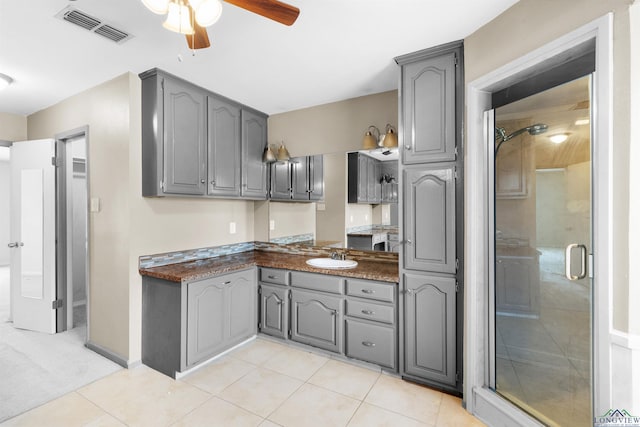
280, 188
301, 179
184, 128
254, 170
430, 328
430, 218
429, 110
364, 176
223, 148
198, 143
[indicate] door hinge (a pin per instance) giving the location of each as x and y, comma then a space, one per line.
457, 376
55, 161
56, 304
289, 333
457, 286
259, 290
162, 85
455, 151
162, 185
455, 60
259, 325
457, 264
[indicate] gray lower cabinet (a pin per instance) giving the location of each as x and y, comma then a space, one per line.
274, 310
371, 342
430, 218
184, 324
221, 312
316, 319
223, 142
254, 170
430, 328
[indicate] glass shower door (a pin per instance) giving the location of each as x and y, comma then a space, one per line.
543, 292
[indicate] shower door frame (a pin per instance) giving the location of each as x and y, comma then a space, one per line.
478, 397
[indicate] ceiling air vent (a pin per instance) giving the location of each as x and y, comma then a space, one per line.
93, 24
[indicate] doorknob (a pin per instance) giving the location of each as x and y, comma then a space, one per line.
15, 244
583, 261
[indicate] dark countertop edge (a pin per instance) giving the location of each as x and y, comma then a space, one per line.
232, 266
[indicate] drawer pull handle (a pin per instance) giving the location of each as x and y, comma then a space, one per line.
368, 291
368, 312
272, 277
227, 282
368, 344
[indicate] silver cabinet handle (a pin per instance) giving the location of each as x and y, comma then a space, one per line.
368, 312
202, 181
583, 261
368, 291
272, 277
408, 242
15, 244
368, 344
213, 182
227, 282
409, 291
407, 147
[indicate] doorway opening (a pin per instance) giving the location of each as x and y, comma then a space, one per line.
543, 246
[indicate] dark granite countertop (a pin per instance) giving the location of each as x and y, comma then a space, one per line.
201, 269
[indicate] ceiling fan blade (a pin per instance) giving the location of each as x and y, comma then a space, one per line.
272, 9
199, 39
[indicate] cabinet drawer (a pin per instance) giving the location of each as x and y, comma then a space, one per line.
370, 311
318, 282
371, 290
273, 275
370, 342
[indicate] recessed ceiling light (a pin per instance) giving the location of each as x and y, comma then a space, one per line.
582, 122
558, 138
5, 81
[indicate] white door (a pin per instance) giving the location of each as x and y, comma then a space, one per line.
33, 235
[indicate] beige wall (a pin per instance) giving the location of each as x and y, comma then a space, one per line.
334, 129
13, 127
292, 219
129, 225
530, 24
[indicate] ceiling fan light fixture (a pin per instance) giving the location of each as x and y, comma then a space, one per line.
178, 19
207, 11
157, 6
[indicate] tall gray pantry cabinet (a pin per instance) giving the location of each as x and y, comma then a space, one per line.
198, 143
431, 216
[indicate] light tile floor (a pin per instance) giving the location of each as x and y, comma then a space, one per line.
263, 383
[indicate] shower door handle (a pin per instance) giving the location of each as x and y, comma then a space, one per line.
583, 261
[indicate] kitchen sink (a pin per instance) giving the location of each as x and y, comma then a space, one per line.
332, 263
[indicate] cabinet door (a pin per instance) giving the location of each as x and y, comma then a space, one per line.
241, 307
223, 141
316, 319
184, 138
517, 285
280, 181
300, 178
429, 227
205, 326
374, 187
430, 327
363, 178
274, 310
254, 170
316, 177
429, 107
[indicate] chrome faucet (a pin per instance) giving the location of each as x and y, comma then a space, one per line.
338, 255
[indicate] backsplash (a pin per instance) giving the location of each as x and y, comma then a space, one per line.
293, 239
157, 260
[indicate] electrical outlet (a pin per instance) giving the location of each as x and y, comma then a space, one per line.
232, 227
94, 205
272, 225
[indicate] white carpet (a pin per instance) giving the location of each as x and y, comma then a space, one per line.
36, 368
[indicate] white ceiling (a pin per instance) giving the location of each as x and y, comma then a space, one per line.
337, 49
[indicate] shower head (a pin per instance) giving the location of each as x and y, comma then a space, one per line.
536, 129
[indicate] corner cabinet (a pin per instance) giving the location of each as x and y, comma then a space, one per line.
432, 216
198, 143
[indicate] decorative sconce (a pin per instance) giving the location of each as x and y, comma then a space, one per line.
281, 155
268, 156
373, 139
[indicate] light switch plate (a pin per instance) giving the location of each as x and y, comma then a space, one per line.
272, 225
232, 227
94, 205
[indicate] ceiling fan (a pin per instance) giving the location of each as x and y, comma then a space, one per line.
191, 17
